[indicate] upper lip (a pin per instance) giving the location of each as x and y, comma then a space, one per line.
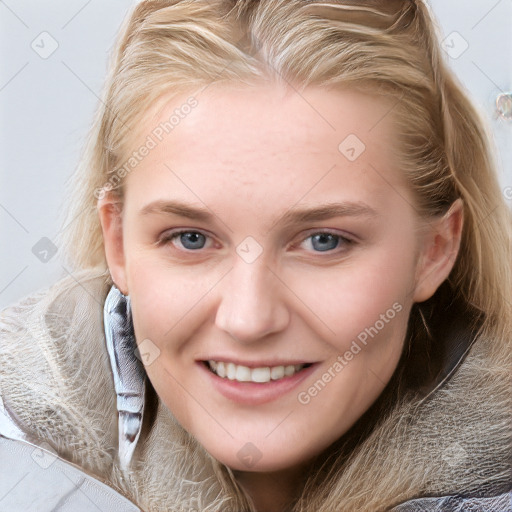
257, 364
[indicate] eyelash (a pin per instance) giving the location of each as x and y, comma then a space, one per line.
343, 240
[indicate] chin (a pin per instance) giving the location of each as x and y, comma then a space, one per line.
252, 457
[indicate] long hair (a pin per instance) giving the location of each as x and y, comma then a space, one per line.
391, 48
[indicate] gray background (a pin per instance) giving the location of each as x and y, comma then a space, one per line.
47, 103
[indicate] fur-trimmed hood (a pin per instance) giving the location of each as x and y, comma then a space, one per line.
56, 381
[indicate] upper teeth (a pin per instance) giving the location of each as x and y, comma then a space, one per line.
246, 374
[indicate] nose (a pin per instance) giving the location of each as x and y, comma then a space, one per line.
252, 303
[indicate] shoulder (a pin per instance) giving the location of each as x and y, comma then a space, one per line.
35, 479
56, 380
454, 444
499, 503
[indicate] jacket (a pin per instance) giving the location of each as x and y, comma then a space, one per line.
59, 431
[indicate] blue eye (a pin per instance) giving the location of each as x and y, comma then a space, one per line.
190, 240
325, 241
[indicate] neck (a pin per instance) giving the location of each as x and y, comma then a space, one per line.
272, 491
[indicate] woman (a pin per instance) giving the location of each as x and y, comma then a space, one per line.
291, 285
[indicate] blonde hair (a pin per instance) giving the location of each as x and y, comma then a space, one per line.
167, 47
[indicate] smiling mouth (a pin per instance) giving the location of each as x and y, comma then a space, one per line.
232, 371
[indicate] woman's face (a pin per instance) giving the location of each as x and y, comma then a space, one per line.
264, 229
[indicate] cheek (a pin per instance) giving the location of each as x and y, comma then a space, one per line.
351, 298
162, 296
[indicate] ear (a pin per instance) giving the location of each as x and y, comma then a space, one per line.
438, 251
110, 210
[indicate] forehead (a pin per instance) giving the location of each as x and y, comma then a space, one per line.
275, 114
268, 139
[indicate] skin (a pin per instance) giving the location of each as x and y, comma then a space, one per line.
249, 154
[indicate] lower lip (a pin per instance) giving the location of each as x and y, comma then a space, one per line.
255, 393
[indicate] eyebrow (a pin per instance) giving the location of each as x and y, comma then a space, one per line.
292, 216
